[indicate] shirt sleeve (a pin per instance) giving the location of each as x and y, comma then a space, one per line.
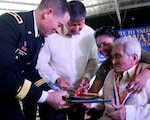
139, 107
92, 64
99, 73
135, 112
43, 65
103, 70
144, 55
43, 97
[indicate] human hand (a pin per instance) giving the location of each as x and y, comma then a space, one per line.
84, 85
64, 84
119, 113
139, 81
55, 99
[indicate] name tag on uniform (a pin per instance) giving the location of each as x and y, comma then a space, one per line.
20, 52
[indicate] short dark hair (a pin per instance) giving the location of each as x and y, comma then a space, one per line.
78, 10
107, 30
59, 6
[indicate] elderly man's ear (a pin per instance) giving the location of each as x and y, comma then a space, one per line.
135, 57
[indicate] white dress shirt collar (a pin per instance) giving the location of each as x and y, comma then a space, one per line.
35, 26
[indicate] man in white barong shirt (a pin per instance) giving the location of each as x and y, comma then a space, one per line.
125, 104
69, 57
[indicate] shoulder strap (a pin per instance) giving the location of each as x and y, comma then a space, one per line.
17, 17
21, 28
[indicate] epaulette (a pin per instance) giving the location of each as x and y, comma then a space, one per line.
17, 17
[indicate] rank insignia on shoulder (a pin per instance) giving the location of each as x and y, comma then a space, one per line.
17, 17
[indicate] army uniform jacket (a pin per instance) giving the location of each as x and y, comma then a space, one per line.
18, 55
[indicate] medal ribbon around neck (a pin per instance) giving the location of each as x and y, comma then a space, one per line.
128, 92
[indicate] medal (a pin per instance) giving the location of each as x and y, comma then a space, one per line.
118, 100
24, 47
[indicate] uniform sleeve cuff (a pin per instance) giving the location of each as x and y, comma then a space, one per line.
87, 75
43, 97
50, 91
54, 78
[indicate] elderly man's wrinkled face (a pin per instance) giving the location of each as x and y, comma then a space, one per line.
121, 61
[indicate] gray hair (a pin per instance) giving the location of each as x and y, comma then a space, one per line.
131, 46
